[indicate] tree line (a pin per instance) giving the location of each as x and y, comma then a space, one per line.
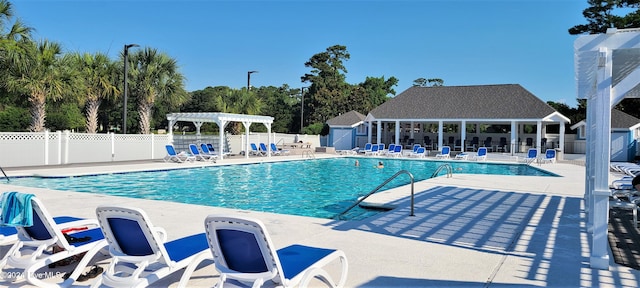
41, 87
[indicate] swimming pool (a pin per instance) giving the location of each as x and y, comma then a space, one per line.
317, 188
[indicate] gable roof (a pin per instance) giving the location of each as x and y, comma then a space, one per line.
619, 121
486, 102
349, 119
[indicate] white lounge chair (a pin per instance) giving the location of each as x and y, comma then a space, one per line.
396, 152
141, 255
481, 155
421, 152
200, 156
444, 153
34, 248
549, 156
462, 156
243, 253
205, 151
255, 151
532, 155
276, 151
367, 148
172, 155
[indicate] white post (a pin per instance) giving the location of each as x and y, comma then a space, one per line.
46, 147
397, 134
60, 142
152, 145
379, 136
67, 136
600, 247
514, 137
440, 135
113, 146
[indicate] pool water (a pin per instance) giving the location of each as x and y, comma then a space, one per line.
317, 188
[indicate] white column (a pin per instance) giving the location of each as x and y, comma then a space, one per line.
397, 136
246, 148
369, 132
514, 137
561, 142
46, 147
440, 135
602, 134
379, 135
539, 136
463, 136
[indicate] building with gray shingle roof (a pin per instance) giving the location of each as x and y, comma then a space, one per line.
345, 129
510, 111
625, 132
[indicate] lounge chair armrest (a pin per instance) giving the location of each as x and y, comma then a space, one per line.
161, 232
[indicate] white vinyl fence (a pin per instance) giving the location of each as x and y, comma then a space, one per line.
63, 147
19, 149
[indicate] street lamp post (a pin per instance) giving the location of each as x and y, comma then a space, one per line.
301, 109
126, 67
249, 79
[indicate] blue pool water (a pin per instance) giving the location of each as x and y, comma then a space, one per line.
318, 188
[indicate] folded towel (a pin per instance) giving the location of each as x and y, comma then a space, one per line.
16, 209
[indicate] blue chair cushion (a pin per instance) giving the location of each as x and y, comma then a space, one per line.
296, 258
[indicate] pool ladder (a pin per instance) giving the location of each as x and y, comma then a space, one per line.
443, 166
376, 190
309, 154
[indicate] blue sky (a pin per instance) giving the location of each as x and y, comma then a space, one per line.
217, 42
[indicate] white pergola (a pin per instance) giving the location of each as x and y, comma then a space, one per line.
607, 69
221, 119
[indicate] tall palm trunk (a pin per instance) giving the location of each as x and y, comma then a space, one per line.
144, 111
92, 115
38, 112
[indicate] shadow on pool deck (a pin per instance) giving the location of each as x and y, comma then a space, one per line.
545, 231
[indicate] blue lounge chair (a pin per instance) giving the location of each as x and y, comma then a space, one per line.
32, 251
243, 252
277, 151
396, 152
173, 156
421, 152
549, 156
389, 150
481, 155
213, 150
265, 150
462, 156
141, 255
367, 148
373, 151
444, 153
255, 151
200, 156
206, 151
532, 155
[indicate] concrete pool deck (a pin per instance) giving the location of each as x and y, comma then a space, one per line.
467, 231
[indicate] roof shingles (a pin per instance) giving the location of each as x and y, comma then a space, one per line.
508, 101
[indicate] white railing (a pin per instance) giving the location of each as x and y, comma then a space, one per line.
64, 147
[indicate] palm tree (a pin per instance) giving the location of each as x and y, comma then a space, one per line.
98, 73
42, 77
15, 39
154, 76
239, 101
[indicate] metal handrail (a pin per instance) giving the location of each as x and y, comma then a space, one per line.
5, 174
309, 153
443, 166
378, 188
